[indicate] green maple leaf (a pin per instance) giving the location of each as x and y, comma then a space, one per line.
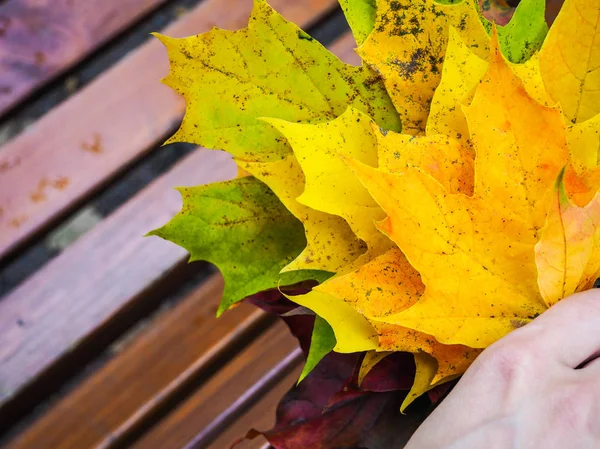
241, 227
322, 343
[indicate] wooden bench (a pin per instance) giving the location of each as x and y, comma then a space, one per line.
112, 341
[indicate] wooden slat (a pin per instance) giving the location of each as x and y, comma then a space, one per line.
104, 272
261, 417
97, 276
118, 399
40, 39
228, 394
552, 9
85, 141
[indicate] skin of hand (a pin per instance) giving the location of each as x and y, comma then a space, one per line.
537, 388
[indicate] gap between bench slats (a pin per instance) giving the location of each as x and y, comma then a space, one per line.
46, 318
81, 144
40, 39
110, 267
228, 394
164, 361
261, 417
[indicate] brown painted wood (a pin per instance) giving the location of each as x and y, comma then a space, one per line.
261, 417
40, 39
102, 273
344, 49
88, 139
173, 352
233, 390
552, 9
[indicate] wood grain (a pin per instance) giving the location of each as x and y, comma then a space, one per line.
261, 417
40, 39
99, 275
228, 394
84, 142
174, 351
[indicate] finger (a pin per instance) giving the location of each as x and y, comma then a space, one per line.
568, 332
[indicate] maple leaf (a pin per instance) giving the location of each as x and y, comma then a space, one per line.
327, 410
408, 44
384, 287
331, 244
231, 78
407, 47
476, 254
568, 253
462, 72
330, 185
322, 343
241, 227
353, 332
360, 15
570, 57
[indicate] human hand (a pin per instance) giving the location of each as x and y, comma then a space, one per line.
524, 391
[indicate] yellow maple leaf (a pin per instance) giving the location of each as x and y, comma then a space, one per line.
568, 253
409, 53
330, 185
462, 72
446, 159
476, 254
570, 58
386, 286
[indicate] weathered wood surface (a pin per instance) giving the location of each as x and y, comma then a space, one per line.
84, 142
40, 39
260, 417
105, 271
164, 359
225, 397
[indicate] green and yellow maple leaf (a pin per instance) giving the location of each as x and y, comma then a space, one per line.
270, 69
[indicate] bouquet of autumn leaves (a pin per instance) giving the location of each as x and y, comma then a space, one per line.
436, 198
